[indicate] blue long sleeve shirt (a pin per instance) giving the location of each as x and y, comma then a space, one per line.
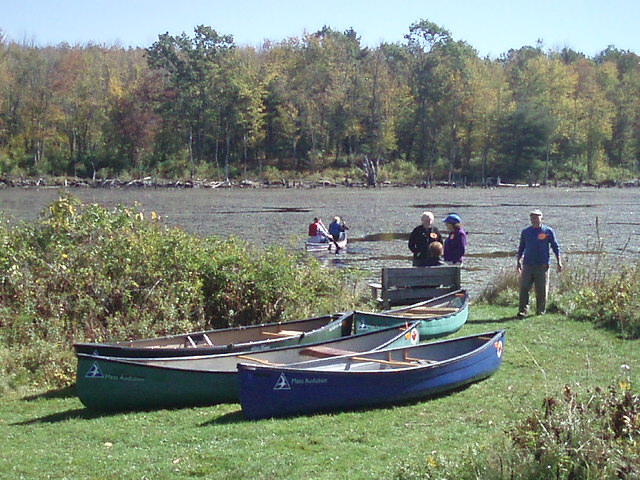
535, 243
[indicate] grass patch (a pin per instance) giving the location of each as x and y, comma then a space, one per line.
437, 438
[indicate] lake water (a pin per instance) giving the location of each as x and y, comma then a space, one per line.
381, 219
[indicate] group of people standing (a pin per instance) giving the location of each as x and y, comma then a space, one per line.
536, 242
426, 242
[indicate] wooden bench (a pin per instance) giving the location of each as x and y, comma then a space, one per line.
406, 285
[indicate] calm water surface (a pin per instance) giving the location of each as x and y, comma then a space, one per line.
380, 220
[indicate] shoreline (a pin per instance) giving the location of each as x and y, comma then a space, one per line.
148, 182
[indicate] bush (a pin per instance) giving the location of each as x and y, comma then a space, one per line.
83, 273
605, 296
593, 436
503, 290
401, 171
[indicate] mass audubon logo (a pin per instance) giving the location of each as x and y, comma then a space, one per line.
282, 383
94, 371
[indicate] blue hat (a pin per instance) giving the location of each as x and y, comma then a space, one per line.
452, 218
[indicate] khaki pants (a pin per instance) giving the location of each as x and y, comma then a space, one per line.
537, 275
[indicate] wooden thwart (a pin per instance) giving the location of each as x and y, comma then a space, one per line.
284, 333
256, 360
384, 362
324, 352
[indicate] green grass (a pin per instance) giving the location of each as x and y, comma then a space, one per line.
50, 435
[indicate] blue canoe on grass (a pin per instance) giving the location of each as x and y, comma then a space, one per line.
438, 316
362, 380
113, 383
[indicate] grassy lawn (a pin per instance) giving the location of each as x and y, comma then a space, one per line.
50, 435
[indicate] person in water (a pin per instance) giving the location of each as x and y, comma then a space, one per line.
337, 228
420, 239
317, 232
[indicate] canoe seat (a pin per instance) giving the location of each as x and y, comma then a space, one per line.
324, 352
284, 333
418, 360
197, 340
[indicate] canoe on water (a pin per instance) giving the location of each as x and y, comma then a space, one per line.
438, 316
363, 380
112, 383
237, 339
328, 246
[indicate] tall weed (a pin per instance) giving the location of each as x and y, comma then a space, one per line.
589, 436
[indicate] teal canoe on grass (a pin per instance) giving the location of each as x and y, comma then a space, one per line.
113, 383
438, 316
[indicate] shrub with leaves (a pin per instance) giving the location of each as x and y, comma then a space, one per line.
589, 436
608, 298
85, 273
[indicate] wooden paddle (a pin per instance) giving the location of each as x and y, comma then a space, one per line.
329, 236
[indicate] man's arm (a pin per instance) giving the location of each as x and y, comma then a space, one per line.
556, 249
520, 252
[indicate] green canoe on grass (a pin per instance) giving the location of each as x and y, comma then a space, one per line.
438, 316
115, 383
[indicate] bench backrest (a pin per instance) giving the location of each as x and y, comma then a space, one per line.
401, 286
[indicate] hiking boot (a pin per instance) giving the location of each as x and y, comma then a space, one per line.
522, 314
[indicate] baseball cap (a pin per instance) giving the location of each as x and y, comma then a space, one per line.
452, 218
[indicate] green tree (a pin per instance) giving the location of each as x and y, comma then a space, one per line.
425, 43
624, 94
195, 90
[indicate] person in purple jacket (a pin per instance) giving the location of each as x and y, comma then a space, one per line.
455, 244
533, 262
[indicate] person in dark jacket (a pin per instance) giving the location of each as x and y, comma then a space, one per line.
421, 237
337, 229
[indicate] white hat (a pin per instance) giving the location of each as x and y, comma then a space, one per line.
536, 211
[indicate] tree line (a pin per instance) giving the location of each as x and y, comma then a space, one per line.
202, 106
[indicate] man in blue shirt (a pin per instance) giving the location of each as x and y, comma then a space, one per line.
533, 262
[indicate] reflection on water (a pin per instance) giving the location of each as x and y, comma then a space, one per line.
380, 220
382, 237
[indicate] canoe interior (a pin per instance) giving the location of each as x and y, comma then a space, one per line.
218, 341
399, 358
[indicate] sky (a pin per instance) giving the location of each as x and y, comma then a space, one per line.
492, 27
